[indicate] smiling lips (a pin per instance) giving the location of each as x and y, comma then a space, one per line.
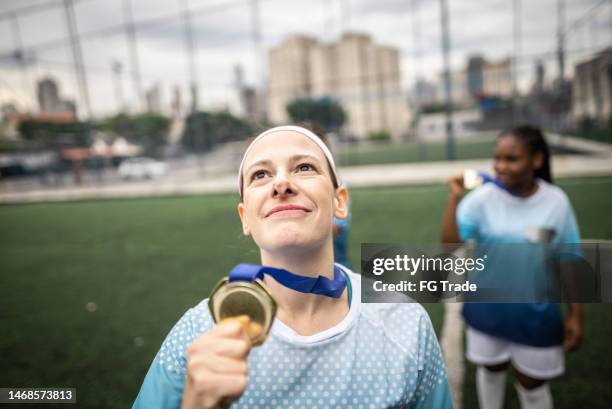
289, 208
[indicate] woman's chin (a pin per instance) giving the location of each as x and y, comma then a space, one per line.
289, 239
289, 242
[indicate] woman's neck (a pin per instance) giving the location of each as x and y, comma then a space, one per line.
527, 189
306, 313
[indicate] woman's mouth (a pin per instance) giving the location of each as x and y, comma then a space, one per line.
287, 209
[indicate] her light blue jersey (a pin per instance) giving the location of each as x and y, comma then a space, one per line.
380, 355
490, 214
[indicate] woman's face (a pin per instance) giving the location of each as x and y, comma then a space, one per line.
289, 199
513, 162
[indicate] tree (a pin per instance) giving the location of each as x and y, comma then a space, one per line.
323, 112
148, 130
54, 134
203, 130
379, 136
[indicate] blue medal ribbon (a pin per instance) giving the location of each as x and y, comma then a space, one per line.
490, 179
314, 285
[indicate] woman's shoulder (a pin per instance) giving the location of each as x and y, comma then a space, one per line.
479, 196
396, 307
401, 314
483, 192
193, 323
404, 320
407, 326
553, 193
198, 318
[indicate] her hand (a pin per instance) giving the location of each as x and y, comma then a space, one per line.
217, 370
455, 185
573, 333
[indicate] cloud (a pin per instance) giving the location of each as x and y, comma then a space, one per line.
223, 37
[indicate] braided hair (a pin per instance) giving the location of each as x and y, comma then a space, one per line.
534, 139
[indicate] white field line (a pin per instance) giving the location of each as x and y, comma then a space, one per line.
451, 342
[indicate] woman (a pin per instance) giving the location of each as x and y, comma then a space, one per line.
523, 202
322, 351
341, 226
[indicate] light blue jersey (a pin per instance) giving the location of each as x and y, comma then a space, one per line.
490, 214
378, 356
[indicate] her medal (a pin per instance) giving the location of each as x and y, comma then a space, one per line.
472, 179
243, 294
234, 298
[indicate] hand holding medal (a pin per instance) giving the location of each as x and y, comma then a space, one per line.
217, 369
242, 297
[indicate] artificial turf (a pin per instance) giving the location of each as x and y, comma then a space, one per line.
142, 263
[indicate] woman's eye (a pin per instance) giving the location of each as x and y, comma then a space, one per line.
305, 167
260, 174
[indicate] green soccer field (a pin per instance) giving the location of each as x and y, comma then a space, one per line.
369, 154
89, 290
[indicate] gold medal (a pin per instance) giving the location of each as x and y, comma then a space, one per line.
472, 179
238, 300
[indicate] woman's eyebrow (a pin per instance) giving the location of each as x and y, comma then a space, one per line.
295, 158
262, 162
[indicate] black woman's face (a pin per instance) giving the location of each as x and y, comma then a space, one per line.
513, 162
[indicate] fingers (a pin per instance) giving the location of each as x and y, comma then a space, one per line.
251, 329
219, 364
217, 345
217, 368
457, 178
230, 328
231, 386
213, 389
233, 348
572, 340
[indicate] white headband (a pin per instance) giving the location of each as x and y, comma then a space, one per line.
289, 128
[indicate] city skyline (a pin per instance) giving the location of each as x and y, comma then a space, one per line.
223, 38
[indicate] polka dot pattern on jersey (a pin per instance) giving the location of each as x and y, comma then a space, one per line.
388, 357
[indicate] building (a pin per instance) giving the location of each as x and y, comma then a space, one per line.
424, 93
48, 95
475, 75
466, 123
540, 78
592, 88
487, 78
242, 101
153, 99
498, 79
288, 75
363, 77
460, 95
49, 98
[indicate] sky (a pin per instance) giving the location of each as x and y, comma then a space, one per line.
223, 37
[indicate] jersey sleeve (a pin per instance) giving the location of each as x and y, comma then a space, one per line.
568, 231
567, 240
468, 215
163, 385
432, 389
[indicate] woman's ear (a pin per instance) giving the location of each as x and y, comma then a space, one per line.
341, 203
243, 218
537, 160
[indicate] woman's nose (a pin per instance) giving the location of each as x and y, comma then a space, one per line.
282, 186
